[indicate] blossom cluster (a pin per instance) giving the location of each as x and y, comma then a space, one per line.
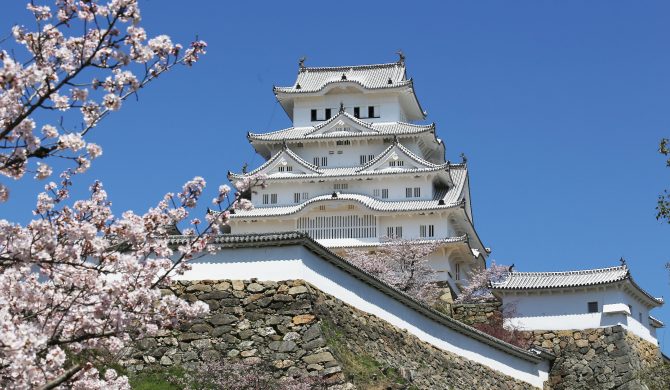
79, 280
479, 281
92, 72
403, 264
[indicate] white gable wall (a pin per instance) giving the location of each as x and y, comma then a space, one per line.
296, 262
388, 105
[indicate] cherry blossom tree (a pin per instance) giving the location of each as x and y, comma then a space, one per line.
477, 288
402, 264
78, 283
87, 56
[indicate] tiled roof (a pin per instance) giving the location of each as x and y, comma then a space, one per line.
655, 322
353, 243
369, 202
449, 199
352, 171
568, 279
368, 129
380, 76
347, 171
534, 355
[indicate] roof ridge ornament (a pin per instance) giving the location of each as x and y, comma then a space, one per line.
283, 144
401, 57
395, 139
301, 62
622, 261
342, 105
464, 158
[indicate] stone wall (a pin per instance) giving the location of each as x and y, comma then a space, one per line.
477, 313
604, 358
295, 329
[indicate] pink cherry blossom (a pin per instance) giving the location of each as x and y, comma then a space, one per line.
71, 48
403, 264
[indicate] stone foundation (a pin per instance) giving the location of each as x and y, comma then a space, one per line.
477, 313
604, 358
295, 329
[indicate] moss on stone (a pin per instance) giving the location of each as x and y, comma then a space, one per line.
360, 368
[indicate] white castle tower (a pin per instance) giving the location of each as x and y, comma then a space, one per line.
356, 168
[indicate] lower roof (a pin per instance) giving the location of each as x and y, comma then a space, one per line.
571, 279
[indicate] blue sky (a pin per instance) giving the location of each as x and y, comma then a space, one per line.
559, 107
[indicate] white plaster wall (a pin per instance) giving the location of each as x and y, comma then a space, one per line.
389, 106
296, 262
565, 311
396, 188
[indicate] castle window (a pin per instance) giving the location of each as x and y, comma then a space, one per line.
412, 192
322, 208
371, 112
385, 193
375, 192
343, 142
394, 232
341, 186
299, 145
321, 161
457, 271
313, 115
357, 112
366, 159
593, 307
296, 197
339, 226
396, 163
328, 113
639, 316
427, 231
269, 198
305, 196
285, 168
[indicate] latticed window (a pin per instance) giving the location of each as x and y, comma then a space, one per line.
385, 193
364, 159
427, 231
341, 186
339, 226
394, 232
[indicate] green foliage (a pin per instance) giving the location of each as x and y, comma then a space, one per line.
360, 368
663, 206
163, 379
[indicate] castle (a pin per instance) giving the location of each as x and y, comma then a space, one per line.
354, 171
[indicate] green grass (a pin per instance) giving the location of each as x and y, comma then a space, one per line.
162, 379
360, 368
